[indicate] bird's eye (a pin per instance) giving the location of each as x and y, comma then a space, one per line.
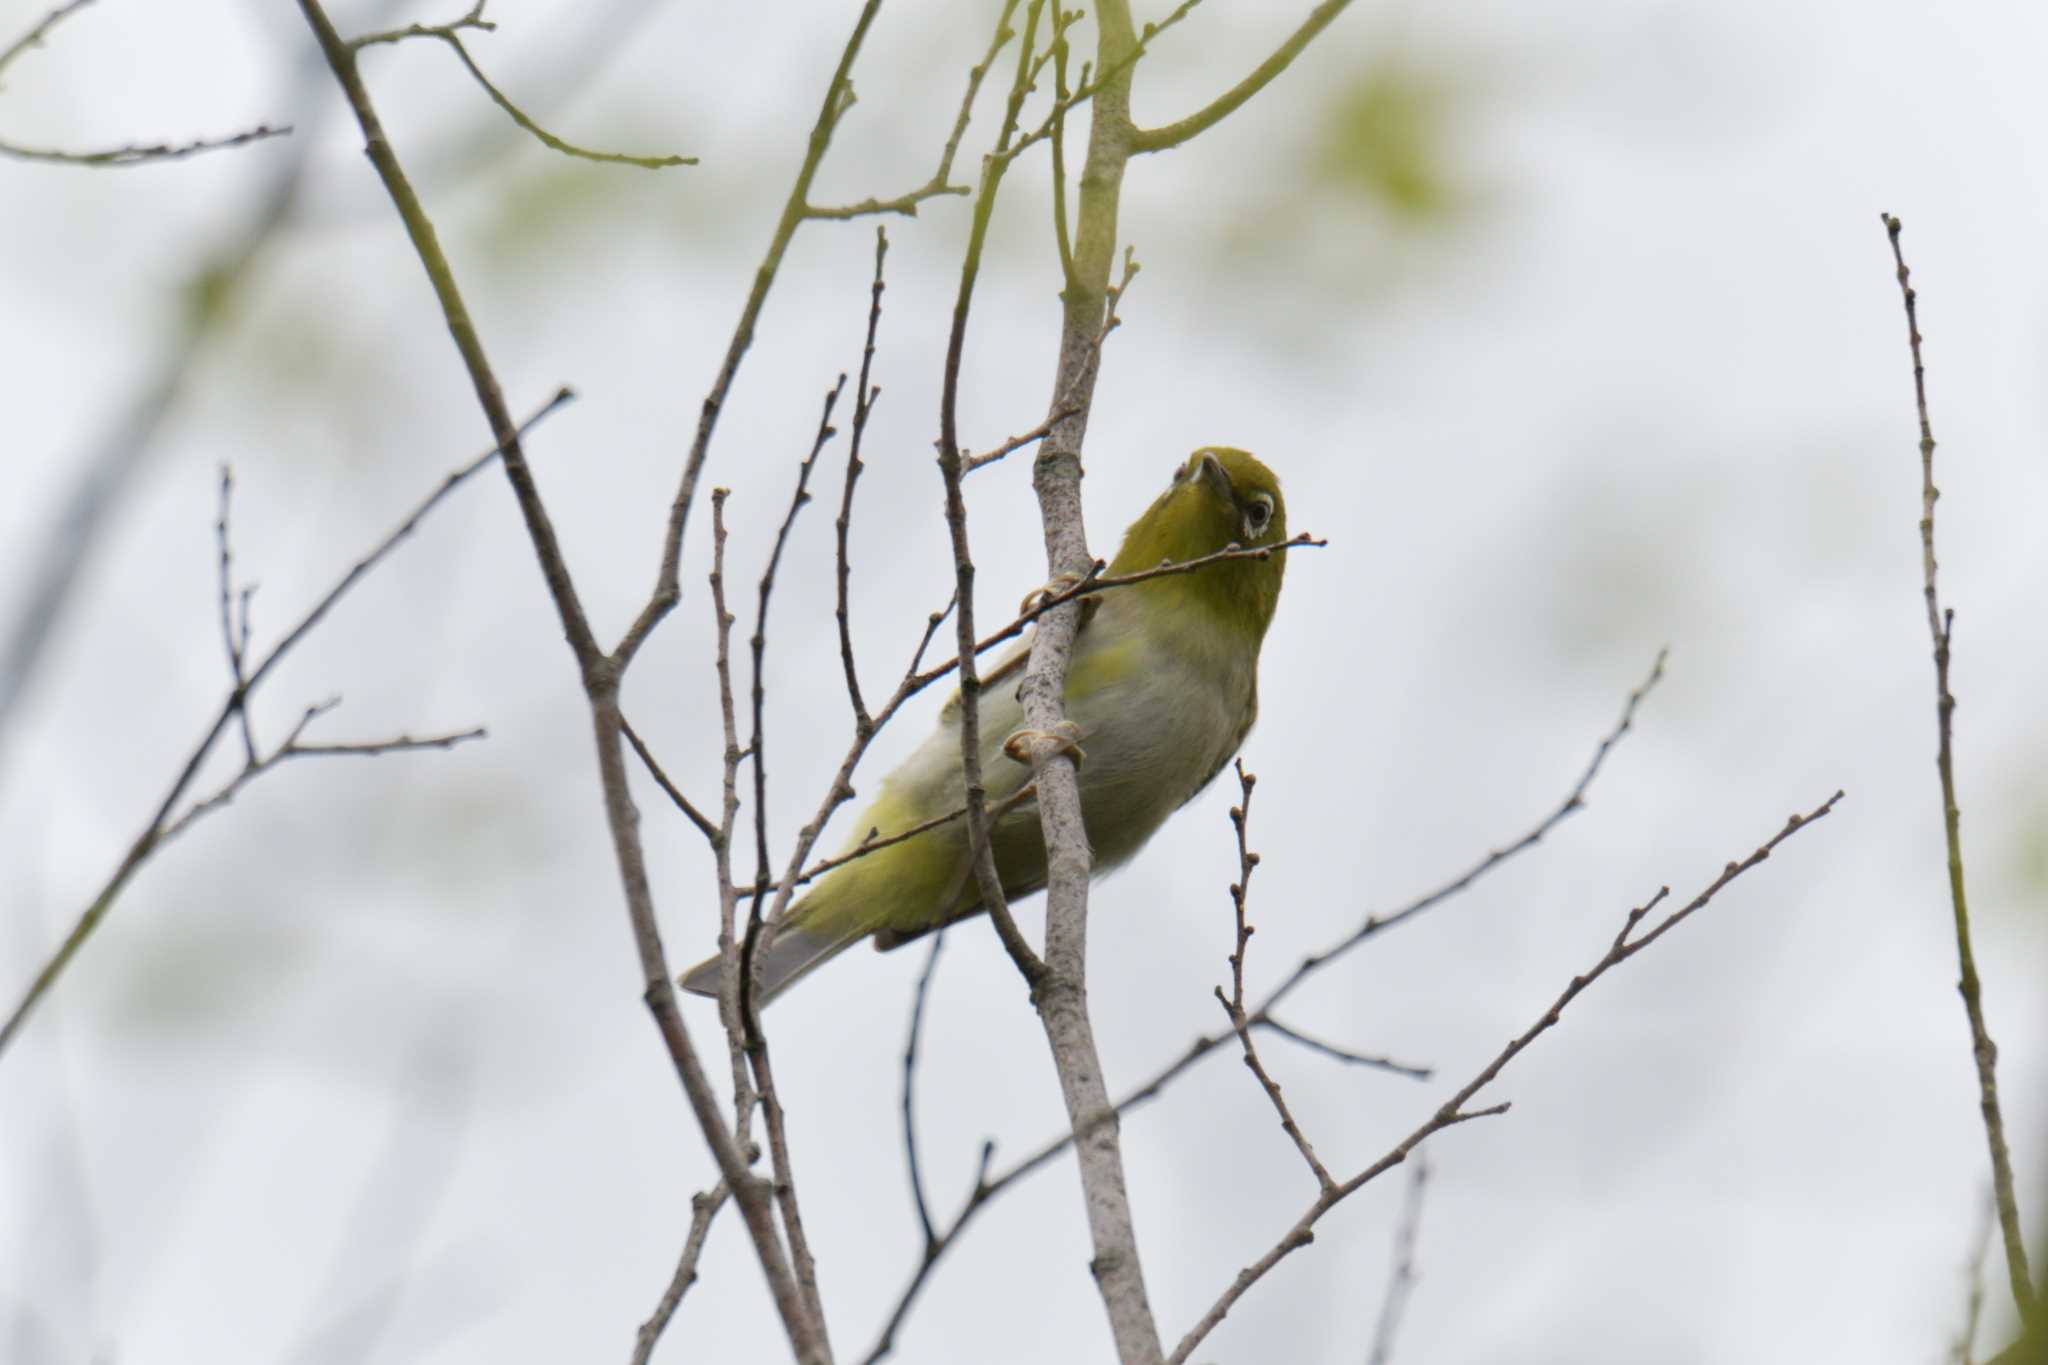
1257, 513
1178, 471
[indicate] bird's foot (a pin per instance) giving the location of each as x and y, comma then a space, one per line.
1064, 738
1053, 587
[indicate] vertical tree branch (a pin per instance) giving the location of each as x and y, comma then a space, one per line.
1233, 1003
864, 396
1940, 628
1056, 479
952, 468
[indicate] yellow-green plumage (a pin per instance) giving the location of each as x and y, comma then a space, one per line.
1163, 687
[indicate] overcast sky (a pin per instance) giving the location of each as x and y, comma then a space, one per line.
1592, 348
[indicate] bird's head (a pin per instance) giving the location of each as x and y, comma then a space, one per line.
1218, 497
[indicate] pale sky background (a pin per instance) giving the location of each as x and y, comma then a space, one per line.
359, 1072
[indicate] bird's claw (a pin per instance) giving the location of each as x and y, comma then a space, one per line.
1065, 738
1053, 587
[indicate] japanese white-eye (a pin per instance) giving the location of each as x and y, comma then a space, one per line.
1162, 690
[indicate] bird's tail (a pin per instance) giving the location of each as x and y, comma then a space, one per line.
783, 958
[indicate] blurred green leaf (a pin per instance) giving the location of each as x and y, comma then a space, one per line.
1383, 140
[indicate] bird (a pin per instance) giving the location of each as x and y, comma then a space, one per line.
1160, 694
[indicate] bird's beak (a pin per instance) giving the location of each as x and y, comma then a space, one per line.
1211, 472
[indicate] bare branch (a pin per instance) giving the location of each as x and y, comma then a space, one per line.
1220, 108
1342, 1054
795, 211
951, 469
704, 1207
917, 1004
137, 153
1095, 581
1040, 1157
473, 20
1062, 238
1941, 630
875, 841
600, 678
1574, 800
756, 1041
756, 746
1454, 1110
1233, 1003
1061, 993
1015, 443
451, 35
132, 154
935, 1247
864, 396
35, 36
730, 958
160, 824
236, 642
256, 766
941, 181
1401, 1279
668, 788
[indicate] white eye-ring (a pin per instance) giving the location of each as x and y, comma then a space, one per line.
1257, 513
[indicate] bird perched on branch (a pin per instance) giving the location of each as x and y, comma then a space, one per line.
1162, 690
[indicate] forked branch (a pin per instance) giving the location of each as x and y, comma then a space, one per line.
1626, 944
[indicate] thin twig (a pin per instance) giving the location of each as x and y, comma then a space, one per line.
728, 815
756, 746
934, 1248
1062, 238
1574, 800
795, 211
704, 1206
1094, 581
35, 36
917, 1004
874, 841
1179, 131
451, 35
1941, 630
154, 833
951, 469
757, 1042
1342, 1054
1233, 1003
141, 154
236, 642
1401, 1279
255, 767
1453, 1111
864, 396
941, 182
1115, 295
1015, 443
668, 788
